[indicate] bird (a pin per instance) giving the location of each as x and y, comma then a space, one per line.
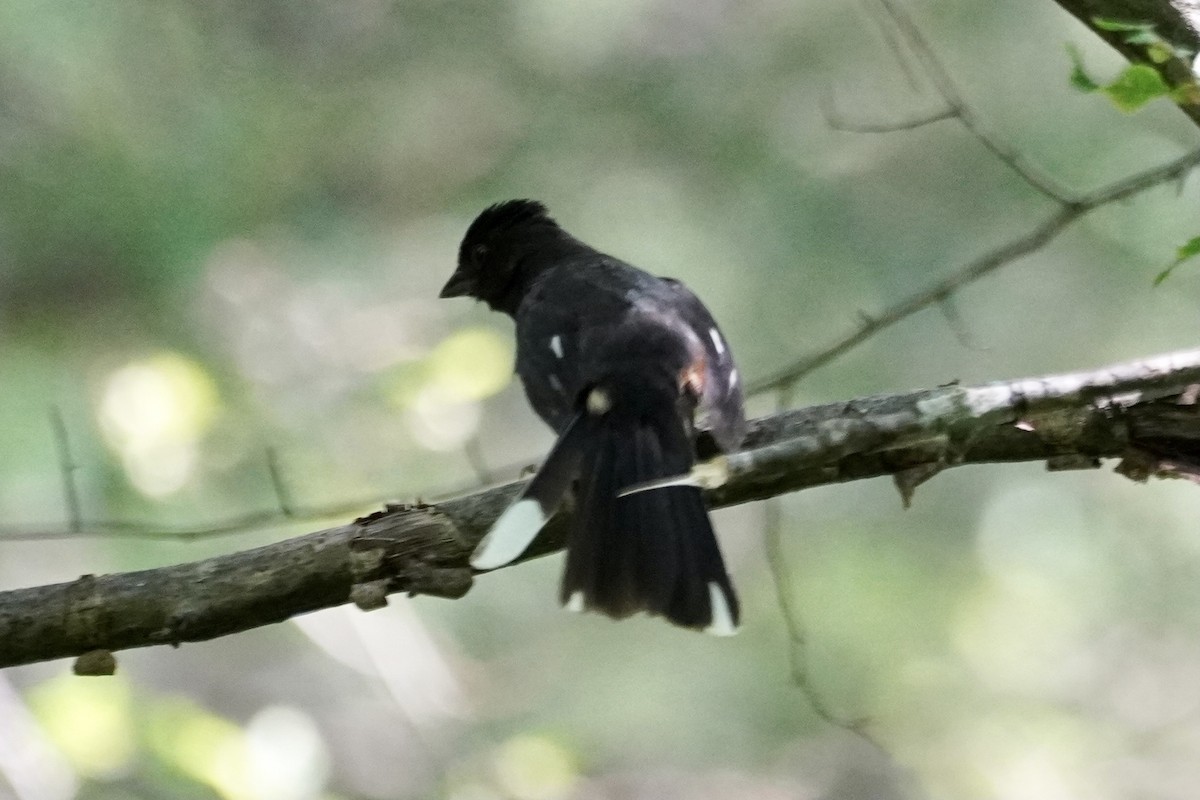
638, 382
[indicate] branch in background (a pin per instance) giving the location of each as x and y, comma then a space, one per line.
1071, 205
793, 619
1144, 412
1175, 22
909, 45
989, 262
67, 468
163, 532
957, 106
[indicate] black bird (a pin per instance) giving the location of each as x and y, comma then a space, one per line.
634, 375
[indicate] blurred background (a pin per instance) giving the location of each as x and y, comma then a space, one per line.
223, 226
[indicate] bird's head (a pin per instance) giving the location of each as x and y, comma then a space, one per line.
490, 257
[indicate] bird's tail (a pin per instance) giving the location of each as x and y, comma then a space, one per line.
520, 523
652, 550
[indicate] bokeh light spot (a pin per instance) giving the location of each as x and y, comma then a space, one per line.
440, 420
287, 757
531, 767
153, 413
90, 721
198, 743
473, 363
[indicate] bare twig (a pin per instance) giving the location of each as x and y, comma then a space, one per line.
781, 574
839, 122
931, 295
789, 607
1124, 410
984, 265
894, 43
67, 467
282, 498
958, 325
285, 511
1176, 22
954, 106
948, 89
148, 531
1071, 205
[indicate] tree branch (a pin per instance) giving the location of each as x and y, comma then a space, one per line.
1181, 19
1144, 412
942, 290
1176, 21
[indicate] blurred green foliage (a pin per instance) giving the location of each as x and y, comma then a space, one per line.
222, 229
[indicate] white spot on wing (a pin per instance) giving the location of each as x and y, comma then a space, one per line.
598, 402
556, 384
715, 335
556, 345
722, 618
510, 535
574, 603
733, 378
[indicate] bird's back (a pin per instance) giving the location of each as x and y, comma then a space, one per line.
588, 316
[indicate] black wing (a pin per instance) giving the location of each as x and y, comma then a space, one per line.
720, 409
548, 358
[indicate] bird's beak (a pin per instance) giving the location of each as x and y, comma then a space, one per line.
459, 285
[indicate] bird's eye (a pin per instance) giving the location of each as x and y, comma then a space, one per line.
479, 252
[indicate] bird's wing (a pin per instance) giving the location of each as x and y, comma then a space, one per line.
548, 328
720, 409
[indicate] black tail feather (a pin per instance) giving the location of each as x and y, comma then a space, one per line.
652, 551
519, 525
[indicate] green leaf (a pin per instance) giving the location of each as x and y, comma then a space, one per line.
1162, 276
1137, 85
1143, 37
1105, 24
1079, 77
1190, 249
1160, 52
1186, 93
1186, 251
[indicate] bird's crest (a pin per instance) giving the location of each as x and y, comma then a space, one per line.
504, 216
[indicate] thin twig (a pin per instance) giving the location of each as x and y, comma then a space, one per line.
931, 295
839, 122
978, 268
948, 89
282, 498
1071, 205
1175, 23
797, 649
147, 531
958, 326
789, 607
894, 43
953, 107
67, 468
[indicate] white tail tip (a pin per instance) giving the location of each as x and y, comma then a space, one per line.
509, 535
574, 604
722, 618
